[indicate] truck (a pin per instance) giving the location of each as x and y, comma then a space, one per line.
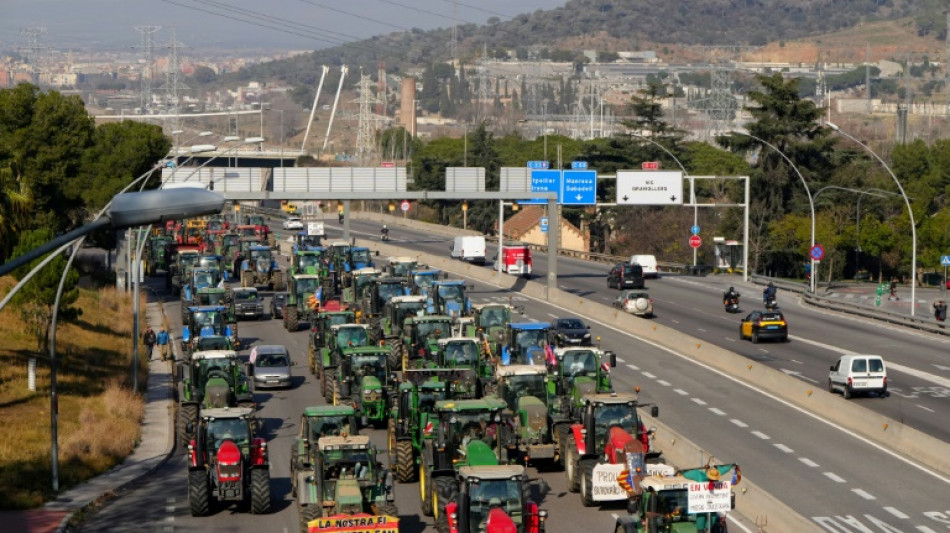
692, 500
492, 499
516, 259
227, 462
470, 248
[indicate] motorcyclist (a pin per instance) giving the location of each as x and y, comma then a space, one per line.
728, 296
768, 293
385, 232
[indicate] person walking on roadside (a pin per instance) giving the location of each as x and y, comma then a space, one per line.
162, 339
149, 339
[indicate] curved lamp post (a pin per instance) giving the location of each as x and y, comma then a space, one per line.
910, 212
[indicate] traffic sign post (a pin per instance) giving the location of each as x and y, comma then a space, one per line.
817, 253
945, 261
695, 241
695, 229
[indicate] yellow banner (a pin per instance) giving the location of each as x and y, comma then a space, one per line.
361, 523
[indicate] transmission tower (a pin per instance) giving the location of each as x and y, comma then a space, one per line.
721, 106
365, 140
173, 84
145, 98
483, 99
946, 86
455, 32
821, 88
34, 49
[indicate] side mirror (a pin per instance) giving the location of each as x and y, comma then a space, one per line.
613, 359
831, 368
655, 412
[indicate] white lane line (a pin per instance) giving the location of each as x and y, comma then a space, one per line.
808, 462
761, 435
552, 315
864, 494
615, 515
896, 512
663, 382
169, 518
925, 408
621, 361
701, 329
649, 375
676, 321
633, 367
698, 401
796, 361
783, 447
717, 411
681, 392
739, 423
730, 339
834, 477
763, 350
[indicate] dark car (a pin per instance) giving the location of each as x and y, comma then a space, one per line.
625, 276
277, 302
761, 325
570, 331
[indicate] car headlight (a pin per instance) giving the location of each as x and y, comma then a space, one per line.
587, 335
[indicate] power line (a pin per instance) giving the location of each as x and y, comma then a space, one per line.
361, 17
483, 10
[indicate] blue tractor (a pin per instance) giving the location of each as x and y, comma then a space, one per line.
260, 267
448, 297
204, 321
526, 343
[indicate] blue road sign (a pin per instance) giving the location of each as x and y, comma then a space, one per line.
537, 164
695, 229
544, 224
578, 187
945, 260
817, 252
543, 181
579, 165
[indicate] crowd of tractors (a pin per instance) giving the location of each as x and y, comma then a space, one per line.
468, 395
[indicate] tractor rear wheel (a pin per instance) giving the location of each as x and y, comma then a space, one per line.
187, 414
446, 490
198, 492
329, 385
571, 465
405, 467
290, 318
587, 482
395, 356
308, 513
388, 509
260, 491
425, 493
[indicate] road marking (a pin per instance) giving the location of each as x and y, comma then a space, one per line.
675, 321
717, 411
621, 361
681, 392
797, 362
551, 315
730, 339
808, 462
663, 382
170, 499
896, 512
763, 350
615, 515
169, 508
864, 494
649, 375
761, 435
739, 423
925, 408
834, 477
783, 447
633, 367
701, 329
698, 401
169, 518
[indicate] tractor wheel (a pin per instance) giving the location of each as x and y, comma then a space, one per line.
277, 279
445, 491
404, 463
245, 278
308, 514
388, 509
395, 357
442, 524
335, 394
290, 318
563, 431
188, 413
571, 464
587, 482
199, 494
260, 491
329, 386
425, 493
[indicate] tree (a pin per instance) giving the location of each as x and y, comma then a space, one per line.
15, 204
203, 75
36, 299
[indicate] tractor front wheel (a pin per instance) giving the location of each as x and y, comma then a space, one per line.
587, 482
199, 494
405, 467
571, 464
290, 318
187, 415
329, 385
260, 491
308, 513
446, 490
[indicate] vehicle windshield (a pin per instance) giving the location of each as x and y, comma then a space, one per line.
234, 429
362, 281
450, 292
272, 360
423, 280
245, 295
673, 506
502, 493
388, 290
188, 259
609, 415
361, 256
472, 425
369, 365
260, 255
328, 426
402, 269
461, 353
304, 261
493, 317
351, 337
248, 232
307, 285
230, 240
204, 279
571, 323
579, 363
207, 318
439, 330
340, 318
213, 343
530, 338
520, 386
348, 463
409, 309
215, 225
428, 397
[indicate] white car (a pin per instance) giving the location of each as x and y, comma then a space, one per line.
635, 302
293, 223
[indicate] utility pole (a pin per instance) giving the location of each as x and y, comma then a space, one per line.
173, 84
34, 49
145, 97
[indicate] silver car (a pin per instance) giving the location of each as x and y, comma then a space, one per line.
271, 367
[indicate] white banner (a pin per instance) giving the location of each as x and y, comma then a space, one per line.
604, 486
638, 187
314, 228
703, 500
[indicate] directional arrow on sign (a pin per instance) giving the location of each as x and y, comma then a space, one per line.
578, 197
797, 374
625, 198
673, 198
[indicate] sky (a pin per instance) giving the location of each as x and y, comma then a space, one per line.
247, 24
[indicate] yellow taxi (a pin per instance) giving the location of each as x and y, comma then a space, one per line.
761, 325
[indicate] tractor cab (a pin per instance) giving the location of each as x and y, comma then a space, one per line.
525, 343
361, 257
582, 370
401, 267
490, 499
449, 297
421, 280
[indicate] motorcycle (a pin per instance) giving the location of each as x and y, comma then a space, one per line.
771, 304
732, 304
385, 235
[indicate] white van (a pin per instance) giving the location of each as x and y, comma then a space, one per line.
469, 248
648, 262
858, 374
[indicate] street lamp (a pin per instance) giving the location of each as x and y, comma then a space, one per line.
910, 212
249, 140
811, 203
176, 133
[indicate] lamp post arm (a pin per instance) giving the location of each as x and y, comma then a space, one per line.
64, 239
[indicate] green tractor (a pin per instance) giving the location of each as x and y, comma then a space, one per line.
156, 253
211, 379
489, 323
420, 340
227, 462
316, 422
528, 391
411, 419
470, 433
363, 381
183, 259
345, 478
400, 267
376, 295
493, 494
309, 261
319, 330
355, 284
391, 324
467, 352
338, 338
211, 297
580, 371
302, 291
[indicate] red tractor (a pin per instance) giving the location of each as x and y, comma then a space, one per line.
492, 499
227, 463
593, 449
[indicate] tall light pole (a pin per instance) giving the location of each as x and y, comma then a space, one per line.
910, 213
811, 203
